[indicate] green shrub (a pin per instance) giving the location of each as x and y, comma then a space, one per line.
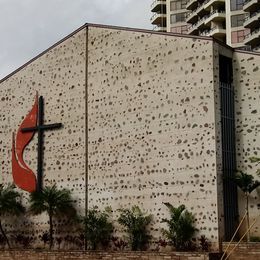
180, 227
98, 228
204, 243
247, 184
56, 203
135, 222
10, 205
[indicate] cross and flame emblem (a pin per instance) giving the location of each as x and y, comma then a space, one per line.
23, 176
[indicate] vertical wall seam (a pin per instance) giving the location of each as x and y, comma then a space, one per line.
86, 122
215, 101
86, 127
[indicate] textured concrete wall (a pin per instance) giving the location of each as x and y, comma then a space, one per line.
151, 125
59, 76
247, 94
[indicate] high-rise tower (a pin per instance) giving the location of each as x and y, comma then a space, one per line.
235, 22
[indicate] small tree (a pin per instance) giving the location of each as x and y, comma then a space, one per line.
180, 227
247, 184
136, 222
10, 205
98, 228
55, 203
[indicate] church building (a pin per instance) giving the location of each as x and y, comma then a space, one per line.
136, 117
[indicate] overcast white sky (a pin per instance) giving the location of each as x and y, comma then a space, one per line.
28, 27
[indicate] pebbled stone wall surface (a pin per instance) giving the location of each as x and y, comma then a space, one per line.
247, 95
151, 125
59, 76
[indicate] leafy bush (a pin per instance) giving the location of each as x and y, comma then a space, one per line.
23, 240
159, 244
45, 238
73, 241
55, 203
136, 222
98, 228
180, 227
10, 205
119, 243
2, 241
204, 243
247, 184
59, 241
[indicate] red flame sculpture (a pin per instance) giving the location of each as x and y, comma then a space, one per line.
23, 176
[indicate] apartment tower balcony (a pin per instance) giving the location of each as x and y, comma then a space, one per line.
159, 17
195, 15
252, 22
251, 6
217, 32
193, 5
160, 29
216, 4
253, 38
216, 18
207, 18
159, 20
158, 6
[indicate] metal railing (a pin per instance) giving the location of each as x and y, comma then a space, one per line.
196, 10
252, 15
188, 2
160, 28
199, 22
246, 2
257, 48
200, 3
207, 32
252, 33
200, 6
216, 11
162, 15
154, 3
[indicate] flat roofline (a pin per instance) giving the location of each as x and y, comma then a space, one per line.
247, 52
123, 29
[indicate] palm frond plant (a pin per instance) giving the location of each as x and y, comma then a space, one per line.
136, 224
247, 184
181, 227
54, 202
10, 205
98, 228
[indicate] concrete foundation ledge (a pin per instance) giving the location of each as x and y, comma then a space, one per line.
248, 251
100, 255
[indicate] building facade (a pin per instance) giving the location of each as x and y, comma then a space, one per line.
147, 118
235, 22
